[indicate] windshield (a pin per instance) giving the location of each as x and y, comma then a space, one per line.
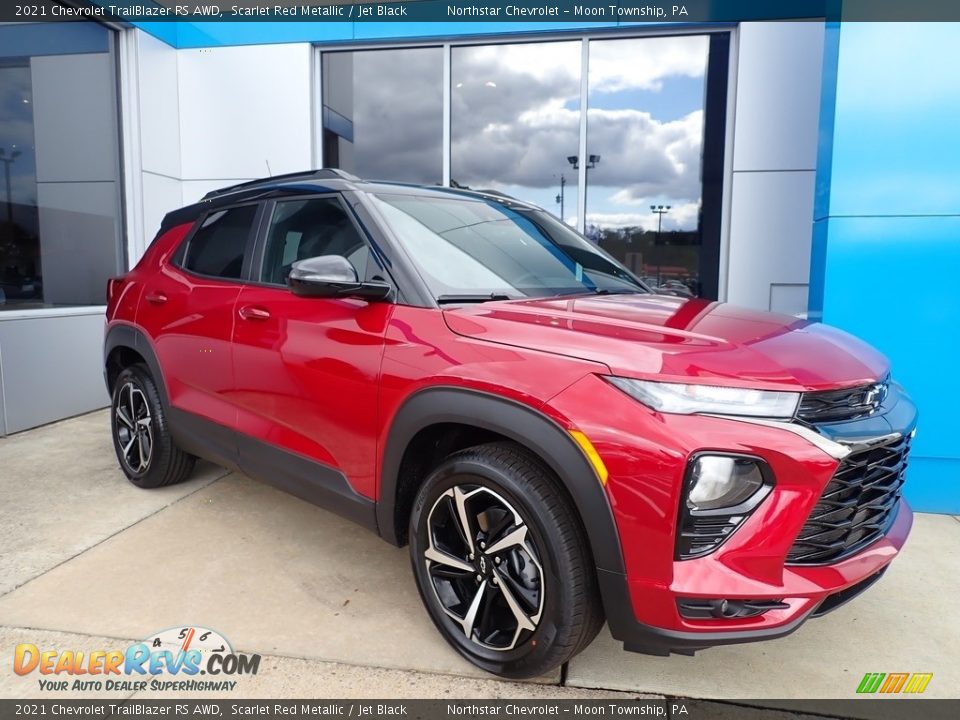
485, 249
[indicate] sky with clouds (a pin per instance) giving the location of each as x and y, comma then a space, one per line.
516, 115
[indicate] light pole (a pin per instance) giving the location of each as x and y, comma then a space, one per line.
575, 161
660, 210
592, 161
563, 182
7, 162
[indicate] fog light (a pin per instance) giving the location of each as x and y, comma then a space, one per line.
718, 481
724, 609
721, 491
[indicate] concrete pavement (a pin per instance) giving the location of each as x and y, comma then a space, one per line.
86, 557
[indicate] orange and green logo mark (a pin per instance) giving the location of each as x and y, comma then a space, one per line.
894, 683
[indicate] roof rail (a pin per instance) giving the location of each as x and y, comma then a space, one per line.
321, 174
497, 193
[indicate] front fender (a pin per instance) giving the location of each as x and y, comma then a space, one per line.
521, 423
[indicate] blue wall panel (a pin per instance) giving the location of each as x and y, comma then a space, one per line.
166, 31
886, 236
220, 34
896, 145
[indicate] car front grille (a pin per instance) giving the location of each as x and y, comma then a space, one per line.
857, 506
839, 405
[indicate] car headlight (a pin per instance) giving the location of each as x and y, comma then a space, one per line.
690, 399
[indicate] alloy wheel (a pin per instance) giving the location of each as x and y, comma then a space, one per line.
133, 426
484, 567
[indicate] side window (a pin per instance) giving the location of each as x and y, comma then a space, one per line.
217, 247
302, 229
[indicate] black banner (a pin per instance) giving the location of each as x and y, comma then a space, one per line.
668, 708
518, 11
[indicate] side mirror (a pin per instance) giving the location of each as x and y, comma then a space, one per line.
332, 276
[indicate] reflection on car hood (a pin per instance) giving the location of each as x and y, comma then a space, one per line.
676, 339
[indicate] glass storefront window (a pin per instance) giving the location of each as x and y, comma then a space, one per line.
515, 119
383, 114
645, 123
60, 223
20, 278
653, 125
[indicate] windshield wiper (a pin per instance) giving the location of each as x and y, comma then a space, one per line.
447, 299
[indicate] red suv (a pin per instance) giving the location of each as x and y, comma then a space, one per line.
559, 446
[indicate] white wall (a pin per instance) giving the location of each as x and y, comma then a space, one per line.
151, 134
245, 112
213, 117
159, 115
774, 164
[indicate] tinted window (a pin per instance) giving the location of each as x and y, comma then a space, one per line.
645, 141
61, 229
476, 247
217, 247
383, 113
515, 119
302, 229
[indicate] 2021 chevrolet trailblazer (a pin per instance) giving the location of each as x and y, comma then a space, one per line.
558, 445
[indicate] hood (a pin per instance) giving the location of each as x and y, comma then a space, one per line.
678, 340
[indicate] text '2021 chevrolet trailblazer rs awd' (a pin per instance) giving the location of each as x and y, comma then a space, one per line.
558, 445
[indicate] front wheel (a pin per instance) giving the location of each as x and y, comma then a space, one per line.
501, 562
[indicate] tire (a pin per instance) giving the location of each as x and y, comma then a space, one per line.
145, 449
525, 600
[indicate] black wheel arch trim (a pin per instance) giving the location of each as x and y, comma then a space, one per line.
521, 423
214, 446
129, 336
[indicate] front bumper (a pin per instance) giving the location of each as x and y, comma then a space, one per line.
646, 469
809, 592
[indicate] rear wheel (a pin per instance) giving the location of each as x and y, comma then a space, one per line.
501, 562
147, 453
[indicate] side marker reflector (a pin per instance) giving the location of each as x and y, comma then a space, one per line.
592, 455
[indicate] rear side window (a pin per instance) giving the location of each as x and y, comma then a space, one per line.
216, 248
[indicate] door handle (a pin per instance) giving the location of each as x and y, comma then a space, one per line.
250, 312
157, 298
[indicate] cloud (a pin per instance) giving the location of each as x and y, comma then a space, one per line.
515, 119
645, 63
680, 217
398, 114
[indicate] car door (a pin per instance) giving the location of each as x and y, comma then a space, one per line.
307, 369
188, 310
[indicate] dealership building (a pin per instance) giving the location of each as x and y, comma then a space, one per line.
805, 167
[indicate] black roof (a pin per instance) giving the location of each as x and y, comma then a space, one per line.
322, 174
317, 181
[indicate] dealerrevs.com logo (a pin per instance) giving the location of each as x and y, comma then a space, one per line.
171, 660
